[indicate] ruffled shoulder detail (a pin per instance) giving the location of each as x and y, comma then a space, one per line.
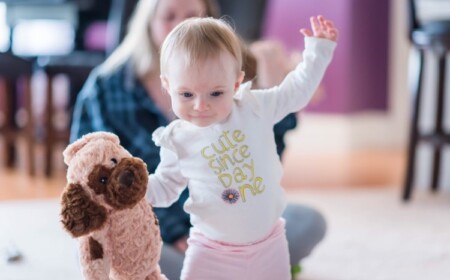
245, 95
244, 88
163, 136
158, 134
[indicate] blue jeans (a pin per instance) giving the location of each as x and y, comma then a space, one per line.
305, 228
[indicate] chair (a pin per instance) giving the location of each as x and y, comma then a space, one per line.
76, 66
90, 49
433, 38
16, 108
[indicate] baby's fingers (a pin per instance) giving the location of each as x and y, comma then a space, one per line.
306, 32
316, 26
331, 30
321, 28
334, 34
322, 23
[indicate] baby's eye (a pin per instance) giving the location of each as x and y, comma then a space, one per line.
186, 94
216, 93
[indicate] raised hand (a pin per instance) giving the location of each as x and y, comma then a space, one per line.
321, 28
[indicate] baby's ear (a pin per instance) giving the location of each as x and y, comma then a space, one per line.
164, 83
239, 80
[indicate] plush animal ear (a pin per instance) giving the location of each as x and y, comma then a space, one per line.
73, 148
79, 214
70, 151
108, 136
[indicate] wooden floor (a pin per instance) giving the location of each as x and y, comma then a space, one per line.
373, 168
380, 168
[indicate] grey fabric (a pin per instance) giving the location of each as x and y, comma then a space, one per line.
305, 228
171, 262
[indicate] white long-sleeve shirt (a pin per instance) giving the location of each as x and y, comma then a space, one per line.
231, 168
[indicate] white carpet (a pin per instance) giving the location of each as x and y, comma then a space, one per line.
47, 251
371, 235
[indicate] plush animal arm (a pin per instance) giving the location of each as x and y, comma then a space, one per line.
79, 214
84, 218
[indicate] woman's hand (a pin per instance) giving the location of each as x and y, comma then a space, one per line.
321, 28
181, 244
272, 63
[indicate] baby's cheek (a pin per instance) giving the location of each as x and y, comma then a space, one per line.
178, 109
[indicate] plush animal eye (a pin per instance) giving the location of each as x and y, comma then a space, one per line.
114, 160
103, 180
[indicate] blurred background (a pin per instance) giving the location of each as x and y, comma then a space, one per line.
369, 135
357, 129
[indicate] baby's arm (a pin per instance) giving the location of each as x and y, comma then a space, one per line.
167, 183
272, 62
296, 90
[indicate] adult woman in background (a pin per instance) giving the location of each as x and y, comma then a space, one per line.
124, 96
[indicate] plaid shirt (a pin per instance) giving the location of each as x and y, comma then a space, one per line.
120, 104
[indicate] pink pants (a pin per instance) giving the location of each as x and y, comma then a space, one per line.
268, 258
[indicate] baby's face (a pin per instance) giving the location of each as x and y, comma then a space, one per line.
202, 94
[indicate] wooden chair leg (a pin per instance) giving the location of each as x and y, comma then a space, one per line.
439, 120
49, 133
9, 129
436, 167
414, 131
29, 128
3, 124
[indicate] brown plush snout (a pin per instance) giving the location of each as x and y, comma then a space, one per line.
127, 183
126, 178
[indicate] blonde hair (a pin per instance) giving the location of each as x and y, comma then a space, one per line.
200, 39
138, 45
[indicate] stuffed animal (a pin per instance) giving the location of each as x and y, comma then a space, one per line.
104, 206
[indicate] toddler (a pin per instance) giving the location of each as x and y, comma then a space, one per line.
222, 147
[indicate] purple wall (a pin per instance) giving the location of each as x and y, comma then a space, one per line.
357, 78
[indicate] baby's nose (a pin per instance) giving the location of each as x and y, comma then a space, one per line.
201, 104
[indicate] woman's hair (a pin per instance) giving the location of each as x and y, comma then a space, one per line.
138, 45
199, 39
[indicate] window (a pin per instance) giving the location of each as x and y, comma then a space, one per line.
42, 37
4, 29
